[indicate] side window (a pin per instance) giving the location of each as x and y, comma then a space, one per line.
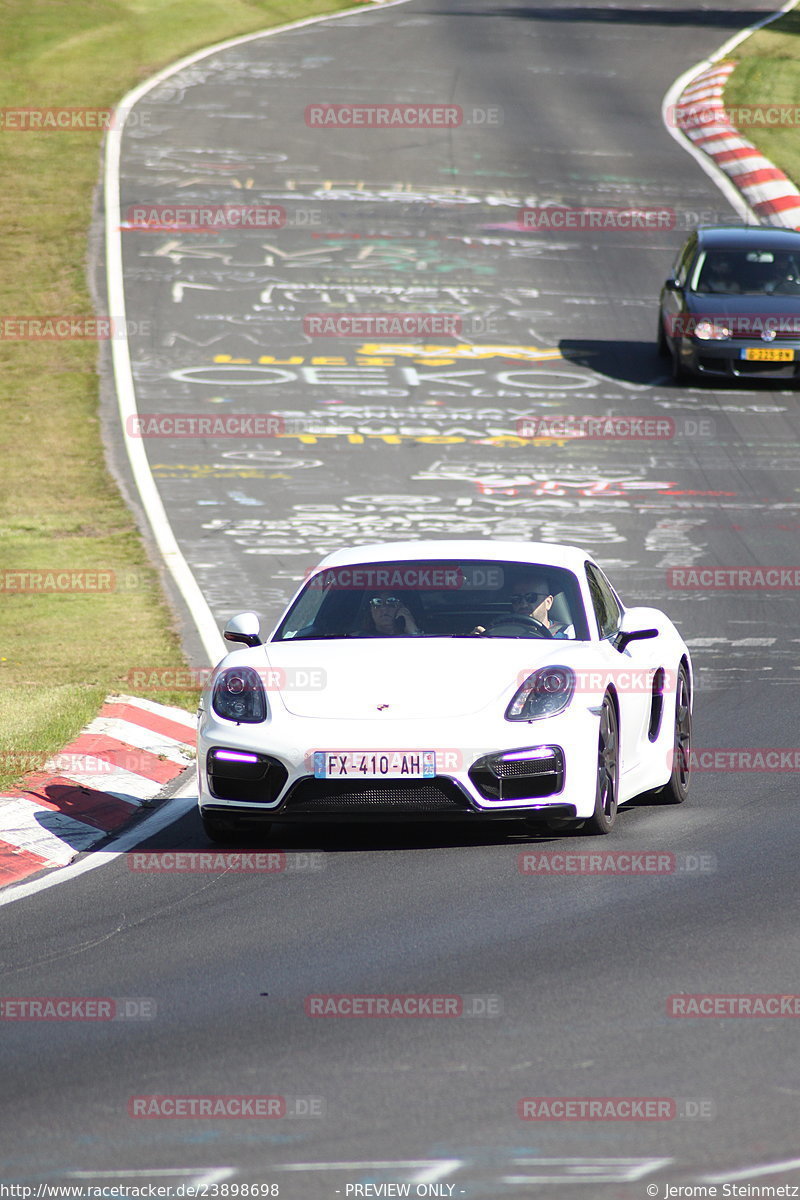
683, 261
605, 604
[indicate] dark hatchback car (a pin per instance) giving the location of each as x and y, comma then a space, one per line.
731, 308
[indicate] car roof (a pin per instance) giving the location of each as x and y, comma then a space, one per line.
732, 237
546, 554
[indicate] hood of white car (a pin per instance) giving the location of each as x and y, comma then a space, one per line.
405, 678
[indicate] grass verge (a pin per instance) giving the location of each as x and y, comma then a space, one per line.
768, 74
62, 653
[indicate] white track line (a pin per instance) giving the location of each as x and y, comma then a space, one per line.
791, 1164
149, 495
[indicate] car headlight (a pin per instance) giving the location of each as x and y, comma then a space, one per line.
711, 331
239, 695
545, 693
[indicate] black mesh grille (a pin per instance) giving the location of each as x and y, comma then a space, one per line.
520, 779
399, 796
531, 766
250, 783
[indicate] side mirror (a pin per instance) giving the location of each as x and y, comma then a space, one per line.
672, 285
244, 628
623, 640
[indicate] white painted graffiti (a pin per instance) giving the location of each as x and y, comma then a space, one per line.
275, 458
671, 537
377, 378
589, 533
394, 426
694, 406
358, 519
177, 250
434, 412
498, 478
404, 193
340, 293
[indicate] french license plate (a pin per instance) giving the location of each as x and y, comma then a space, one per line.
374, 764
767, 354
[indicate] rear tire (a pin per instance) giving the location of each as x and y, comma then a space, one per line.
676, 789
606, 799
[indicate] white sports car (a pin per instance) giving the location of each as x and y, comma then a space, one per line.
473, 680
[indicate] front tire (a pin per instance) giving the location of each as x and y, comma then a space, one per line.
661, 340
606, 798
678, 369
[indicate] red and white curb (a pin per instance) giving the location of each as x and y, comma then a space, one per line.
122, 761
701, 115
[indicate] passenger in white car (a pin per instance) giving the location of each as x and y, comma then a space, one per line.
389, 616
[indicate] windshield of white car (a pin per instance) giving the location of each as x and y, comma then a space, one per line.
443, 598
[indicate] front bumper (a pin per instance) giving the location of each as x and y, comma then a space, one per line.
725, 360
550, 774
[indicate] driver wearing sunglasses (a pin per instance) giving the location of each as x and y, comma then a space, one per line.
531, 598
390, 616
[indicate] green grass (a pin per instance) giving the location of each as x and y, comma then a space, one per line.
60, 655
768, 73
